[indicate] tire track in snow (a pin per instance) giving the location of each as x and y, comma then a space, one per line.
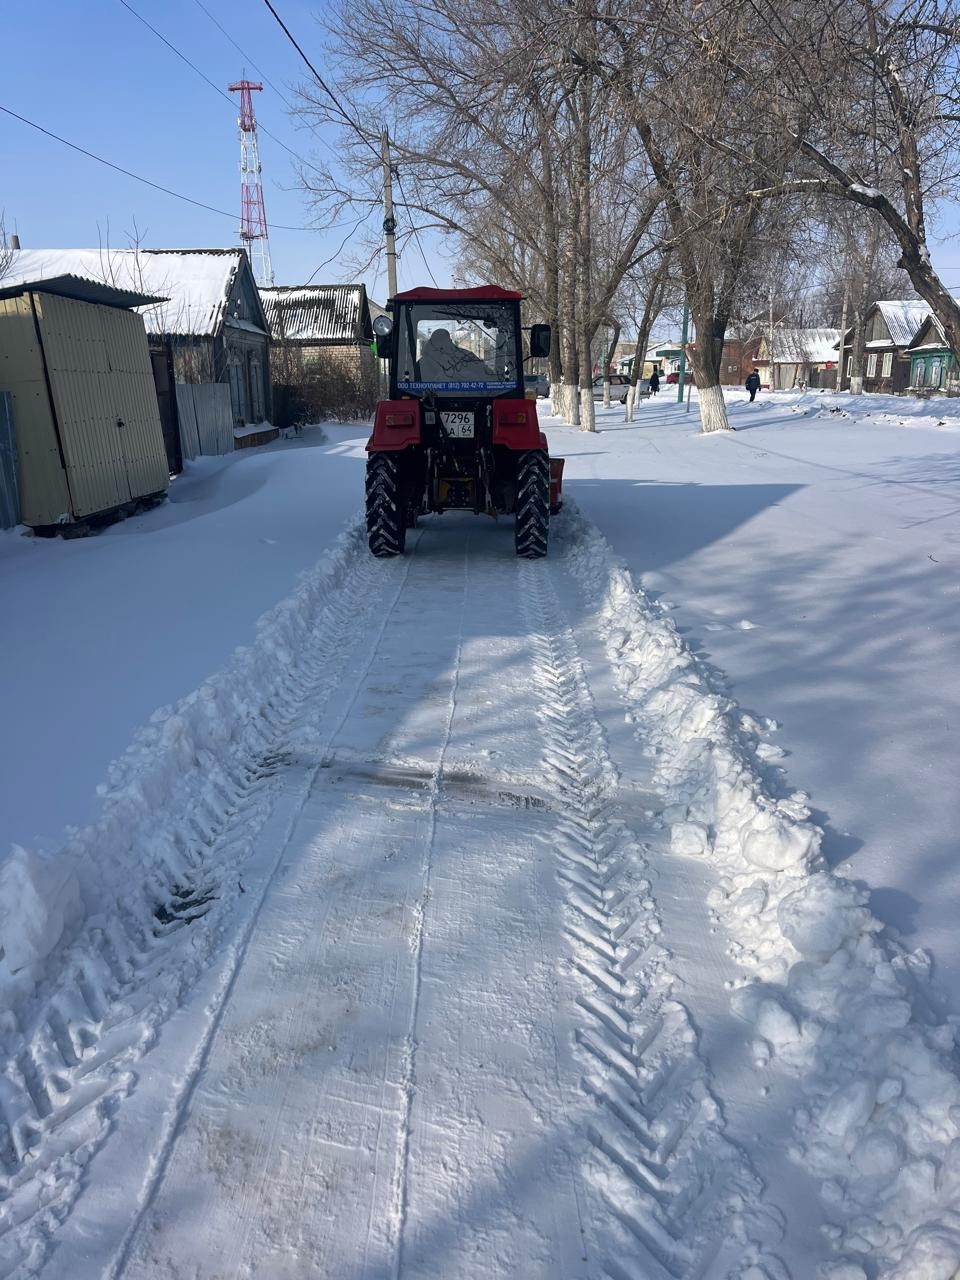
674, 1187
314, 703
62, 1087
408, 1082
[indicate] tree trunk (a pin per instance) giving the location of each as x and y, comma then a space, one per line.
611, 351
856, 351
651, 309
584, 258
707, 356
569, 406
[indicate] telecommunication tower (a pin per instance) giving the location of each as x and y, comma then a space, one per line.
253, 217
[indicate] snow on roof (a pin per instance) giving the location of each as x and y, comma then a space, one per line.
932, 331
197, 282
805, 346
903, 317
318, 312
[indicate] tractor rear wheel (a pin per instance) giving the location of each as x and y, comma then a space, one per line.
533, 505
386, 506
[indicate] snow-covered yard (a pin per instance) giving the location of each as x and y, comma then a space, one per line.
478, 919
99, 633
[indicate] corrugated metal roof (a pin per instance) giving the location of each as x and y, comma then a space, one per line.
903, 317
930, 336
80, 289
320, 313
197, 282
805, 346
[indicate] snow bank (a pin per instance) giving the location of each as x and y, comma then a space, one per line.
888, 410
176, 759
828, 996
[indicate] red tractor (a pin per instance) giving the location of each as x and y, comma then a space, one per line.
458, 433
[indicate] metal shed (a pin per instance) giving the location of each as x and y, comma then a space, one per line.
85, 413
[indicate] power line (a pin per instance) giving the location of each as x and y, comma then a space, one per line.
277, 226
263, 76
326, 262
173, 49
216, 88
243, 54
322, 83
416, 233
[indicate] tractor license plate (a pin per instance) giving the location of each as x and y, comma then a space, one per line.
458, 425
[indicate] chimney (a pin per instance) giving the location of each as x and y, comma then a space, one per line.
14, 242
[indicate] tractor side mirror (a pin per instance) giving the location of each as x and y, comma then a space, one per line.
382, 329
539, 341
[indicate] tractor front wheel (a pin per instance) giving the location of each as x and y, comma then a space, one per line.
386, 505
533, 505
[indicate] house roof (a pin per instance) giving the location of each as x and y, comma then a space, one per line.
930, 336
805, 346
195, 282
903, 318
70, 286
320, 313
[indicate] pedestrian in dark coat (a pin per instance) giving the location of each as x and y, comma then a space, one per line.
753, 384
655, 382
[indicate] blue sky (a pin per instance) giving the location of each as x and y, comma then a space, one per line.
89, 71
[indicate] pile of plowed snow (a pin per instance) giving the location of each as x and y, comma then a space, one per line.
827, 998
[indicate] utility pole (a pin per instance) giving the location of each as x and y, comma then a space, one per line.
771, 365
683, 352
389, 222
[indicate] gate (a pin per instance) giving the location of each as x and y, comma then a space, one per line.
162, 365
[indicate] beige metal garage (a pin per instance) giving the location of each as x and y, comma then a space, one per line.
86, 418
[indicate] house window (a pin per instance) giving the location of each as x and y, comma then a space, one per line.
887, 366
920, 374
872, 365
936, 370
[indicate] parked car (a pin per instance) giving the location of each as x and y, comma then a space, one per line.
687, 377
536, 382
619, 386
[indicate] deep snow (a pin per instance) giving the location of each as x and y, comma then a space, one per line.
99, 633
507, 843
813, 560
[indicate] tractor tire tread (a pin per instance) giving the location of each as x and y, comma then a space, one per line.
386, 507
532, 528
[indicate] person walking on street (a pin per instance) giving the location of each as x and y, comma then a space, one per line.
753, 384
655, 381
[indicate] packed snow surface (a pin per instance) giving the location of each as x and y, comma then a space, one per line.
470, 920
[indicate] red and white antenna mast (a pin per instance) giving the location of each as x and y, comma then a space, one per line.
253, 217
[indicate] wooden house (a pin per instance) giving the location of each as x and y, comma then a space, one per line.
890, 327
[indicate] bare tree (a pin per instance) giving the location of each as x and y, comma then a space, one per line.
872, 102
509, 144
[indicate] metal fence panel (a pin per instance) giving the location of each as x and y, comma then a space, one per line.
9, 466
206, 418
214, 417
189, 439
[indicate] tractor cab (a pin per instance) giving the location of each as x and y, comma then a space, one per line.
457, 432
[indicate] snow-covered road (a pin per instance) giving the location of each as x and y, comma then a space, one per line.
378, 1076
478, 946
